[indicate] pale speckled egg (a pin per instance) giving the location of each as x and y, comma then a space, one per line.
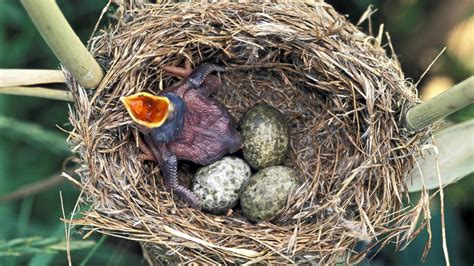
265, 136
266, 192
218, 185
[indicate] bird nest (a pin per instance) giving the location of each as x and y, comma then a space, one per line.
342, 96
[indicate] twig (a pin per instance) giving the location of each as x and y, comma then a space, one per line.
62, 40
33, 188
25, 77
446, 103
67, 223
40, 92
429, 66
443, 221
71, 179
68, 239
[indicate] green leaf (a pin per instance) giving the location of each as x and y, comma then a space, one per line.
73, 245
92, 252
33, 134
464, 114
18, 241
455, 154
38, 245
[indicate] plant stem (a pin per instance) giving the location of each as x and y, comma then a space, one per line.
32, 188
38, 92
444, 104
93, 250
62, 40
25, 77
34, 135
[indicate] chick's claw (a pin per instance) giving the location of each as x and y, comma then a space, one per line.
170, 173
169, 167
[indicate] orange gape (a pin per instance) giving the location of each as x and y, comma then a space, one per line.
147, 109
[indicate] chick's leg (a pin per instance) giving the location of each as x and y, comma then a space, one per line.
198, 79
181, 72
147, 154
169, 167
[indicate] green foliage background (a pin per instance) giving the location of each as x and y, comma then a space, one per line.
32, 148
25, 158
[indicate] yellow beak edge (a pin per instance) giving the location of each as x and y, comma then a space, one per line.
147, 109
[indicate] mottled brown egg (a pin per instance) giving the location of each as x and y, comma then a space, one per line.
266, 192
265, 136
218, 185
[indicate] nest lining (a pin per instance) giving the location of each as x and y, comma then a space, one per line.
340, 93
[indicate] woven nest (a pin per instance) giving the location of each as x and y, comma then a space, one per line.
341, 94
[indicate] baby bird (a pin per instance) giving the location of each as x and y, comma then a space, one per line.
184, 123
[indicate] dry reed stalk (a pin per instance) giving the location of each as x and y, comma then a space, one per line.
25, 77
444, 104
64, 43
35, 91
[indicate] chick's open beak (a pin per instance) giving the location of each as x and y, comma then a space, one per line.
147, 109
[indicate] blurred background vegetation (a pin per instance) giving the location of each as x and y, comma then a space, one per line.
33, 151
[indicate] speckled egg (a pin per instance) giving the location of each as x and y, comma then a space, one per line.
218, 185
266, 192
265, 136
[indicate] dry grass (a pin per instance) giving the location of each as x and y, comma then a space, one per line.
343, 98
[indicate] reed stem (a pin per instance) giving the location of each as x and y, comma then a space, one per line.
41, 92
442, 105
62, 40
25, 77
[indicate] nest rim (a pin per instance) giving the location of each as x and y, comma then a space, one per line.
154, 216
